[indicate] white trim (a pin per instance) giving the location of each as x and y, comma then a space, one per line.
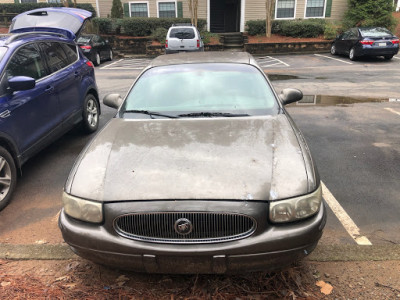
139, 2
294, 13
208, 16
98, 8
242, 14
161, 1
305, 11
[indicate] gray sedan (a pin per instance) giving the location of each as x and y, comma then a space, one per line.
202, 170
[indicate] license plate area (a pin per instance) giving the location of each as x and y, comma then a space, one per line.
381, 44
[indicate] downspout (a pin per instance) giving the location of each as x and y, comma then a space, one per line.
98, 8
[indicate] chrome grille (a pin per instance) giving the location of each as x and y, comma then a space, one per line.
165, 227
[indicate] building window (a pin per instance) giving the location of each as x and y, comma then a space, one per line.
28, 1
53, 1
166, 10
139, 10
315, 8
285, 9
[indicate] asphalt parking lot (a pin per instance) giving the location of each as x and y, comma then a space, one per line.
355, 144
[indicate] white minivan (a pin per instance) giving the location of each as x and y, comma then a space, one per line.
183, 38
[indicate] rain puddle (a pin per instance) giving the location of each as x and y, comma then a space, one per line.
275, 77
320, 100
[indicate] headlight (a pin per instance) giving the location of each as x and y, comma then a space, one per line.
81, 209
296, 208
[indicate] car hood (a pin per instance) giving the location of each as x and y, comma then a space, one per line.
63, 20
256, 158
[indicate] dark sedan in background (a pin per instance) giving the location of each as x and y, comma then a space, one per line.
366, 41
95, 48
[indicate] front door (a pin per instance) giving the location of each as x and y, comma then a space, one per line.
224, 16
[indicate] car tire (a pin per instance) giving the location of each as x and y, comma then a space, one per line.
333, 50
388, 57
110, 55
352, 54
97, 59
8, 177
91, 112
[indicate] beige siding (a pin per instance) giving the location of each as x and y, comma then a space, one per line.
254, 10
300, 9
339, 8
6, 1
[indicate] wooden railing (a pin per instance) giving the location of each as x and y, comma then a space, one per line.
5, 18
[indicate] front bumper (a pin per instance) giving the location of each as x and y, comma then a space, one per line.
270, 247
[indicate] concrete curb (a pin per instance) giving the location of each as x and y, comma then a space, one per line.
323, 253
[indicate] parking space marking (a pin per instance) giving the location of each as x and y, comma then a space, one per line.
396, 57
268, 61
392, 110
128, 64
344, 218
343, 61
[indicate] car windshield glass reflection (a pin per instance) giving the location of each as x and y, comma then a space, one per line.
375, 32
83, 40
182, 33
205, 88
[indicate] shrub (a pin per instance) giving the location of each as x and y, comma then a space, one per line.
159, 34
369, 13
303, 28
116, 10
206, 36
331, 31
256, 27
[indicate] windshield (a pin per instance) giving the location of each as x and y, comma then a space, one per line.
375, 32
191, 88
83, 39
3, 51
182, 33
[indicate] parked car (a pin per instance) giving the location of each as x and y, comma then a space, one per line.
47, 86
95, 48
183, 38
366, 41
201, 171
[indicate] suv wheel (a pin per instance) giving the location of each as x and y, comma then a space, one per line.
90, 120
8, 177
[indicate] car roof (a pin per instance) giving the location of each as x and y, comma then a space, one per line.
203, 57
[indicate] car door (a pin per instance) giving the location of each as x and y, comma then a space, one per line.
29, 116
340, 43
103, 47
66, 79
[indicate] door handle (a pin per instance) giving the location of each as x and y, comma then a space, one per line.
49, 89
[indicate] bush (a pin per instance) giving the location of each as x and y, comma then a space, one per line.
256, 27
23, 7
116, 9
331, 31
206, 36
370, 13
159, 34
303, 28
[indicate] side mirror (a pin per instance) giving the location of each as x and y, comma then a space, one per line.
290, 95
113, 100
21, 83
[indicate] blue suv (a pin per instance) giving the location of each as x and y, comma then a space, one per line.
47, 86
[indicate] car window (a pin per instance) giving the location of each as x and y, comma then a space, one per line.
83, 40
201, 87
27, 61
70, 50
375, 32
182, 33
55, 55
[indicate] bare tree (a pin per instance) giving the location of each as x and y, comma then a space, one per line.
193, 5
268, 17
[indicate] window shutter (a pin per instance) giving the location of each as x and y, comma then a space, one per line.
180, 9
328, 8
126, 10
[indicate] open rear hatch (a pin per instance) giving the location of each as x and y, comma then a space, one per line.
66, 21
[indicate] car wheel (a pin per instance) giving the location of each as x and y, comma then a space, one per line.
8, 177
333, 49
110, 55
388, 57
352, 54
90, 120
97, 60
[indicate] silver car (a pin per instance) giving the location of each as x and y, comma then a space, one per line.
183, 38
201, 171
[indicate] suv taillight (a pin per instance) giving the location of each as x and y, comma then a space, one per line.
86, 47
166, 43
198, 43
90, 64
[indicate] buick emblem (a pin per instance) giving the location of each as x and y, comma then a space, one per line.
183, 226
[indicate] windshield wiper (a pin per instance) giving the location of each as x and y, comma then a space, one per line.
150, 113
212, 114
